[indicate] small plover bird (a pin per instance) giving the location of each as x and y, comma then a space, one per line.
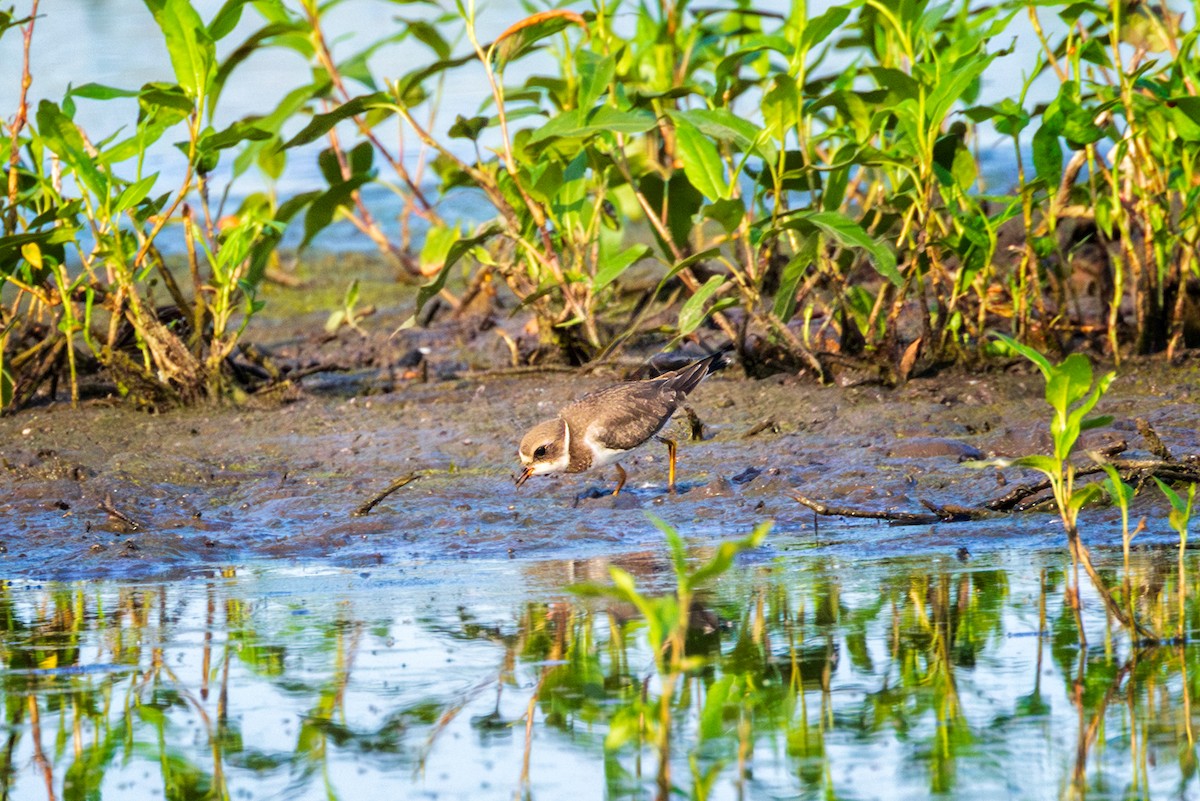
603, 426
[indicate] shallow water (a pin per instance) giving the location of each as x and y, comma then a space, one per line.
893, 678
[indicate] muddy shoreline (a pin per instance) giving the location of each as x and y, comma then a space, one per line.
207, 488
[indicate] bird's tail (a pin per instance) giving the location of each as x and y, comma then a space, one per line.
687, 378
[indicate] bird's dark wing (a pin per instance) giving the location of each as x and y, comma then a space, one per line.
623, 416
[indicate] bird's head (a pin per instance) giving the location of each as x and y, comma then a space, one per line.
545, 449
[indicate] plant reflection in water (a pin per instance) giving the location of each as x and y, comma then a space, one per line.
802, 677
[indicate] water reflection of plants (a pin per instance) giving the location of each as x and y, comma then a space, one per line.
762, 678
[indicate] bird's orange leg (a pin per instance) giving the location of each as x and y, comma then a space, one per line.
620, 479
670, 443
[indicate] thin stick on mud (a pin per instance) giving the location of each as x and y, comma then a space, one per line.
107, 507
366, 508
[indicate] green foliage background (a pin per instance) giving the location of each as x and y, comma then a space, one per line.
811, 214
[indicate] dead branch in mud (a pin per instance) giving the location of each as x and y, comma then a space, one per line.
936, 514
365, 509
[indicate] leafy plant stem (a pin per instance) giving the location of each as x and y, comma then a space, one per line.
19, 121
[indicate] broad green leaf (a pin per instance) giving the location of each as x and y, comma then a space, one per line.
781, 107
135, 193
692, 313
595, 76
729, 212
611, 267
1185, 113
1068, 382
701, 162
820, 28
848, 233
438, 241
193, 54
1048, 155
464, 128
725, 126
1082, 496
60, 135
727, 551
578, 123
322, 210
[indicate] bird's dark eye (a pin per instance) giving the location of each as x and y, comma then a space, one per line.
540, 452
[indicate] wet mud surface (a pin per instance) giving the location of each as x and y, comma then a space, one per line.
106, 491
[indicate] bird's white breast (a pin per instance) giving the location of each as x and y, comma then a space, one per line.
601, 455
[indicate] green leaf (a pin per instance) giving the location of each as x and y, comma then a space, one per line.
781, 107
134, 194
729, 212
1120, 492
1045, 464
322, 124
701, 162
429, 35
820, 28
464, 128
611, 267
801, 261
595, 76
692, 313
1172, 496
456, 251
725, 126
1068, 382
193, 54
226, 19
520, 38
322, 210
624, 726
848, 233
712, 716
1048, 155
96, 91
722, 560
438, 241
1082, 496
59, 133
1029, 353
580, 123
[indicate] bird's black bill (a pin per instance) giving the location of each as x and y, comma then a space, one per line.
525, 474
